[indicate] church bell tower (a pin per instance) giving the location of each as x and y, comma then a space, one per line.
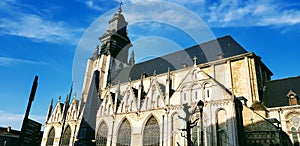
115, 41
109, 58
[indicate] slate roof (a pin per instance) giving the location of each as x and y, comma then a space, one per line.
205, 52
4, 132
275, 92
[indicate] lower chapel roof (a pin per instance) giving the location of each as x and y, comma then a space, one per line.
276, 91
206, 52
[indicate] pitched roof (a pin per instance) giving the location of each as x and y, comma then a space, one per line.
205, 52
275, 92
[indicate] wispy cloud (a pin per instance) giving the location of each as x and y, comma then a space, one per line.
91, 4
7, 61
251, 13
236, 13
34, 26
98, 5
15, 120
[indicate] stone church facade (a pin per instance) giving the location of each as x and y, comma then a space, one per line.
155, 102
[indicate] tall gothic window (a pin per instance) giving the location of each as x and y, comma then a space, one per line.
151, 133
196, 130
124, 135
51, 137
66, 137
222, 128
101, 138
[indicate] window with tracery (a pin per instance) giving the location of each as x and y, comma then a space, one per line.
66, 137
51, 137
101, 138
196, 131
151, 133
293, 124
124, 134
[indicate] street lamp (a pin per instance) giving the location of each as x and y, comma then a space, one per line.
200, 105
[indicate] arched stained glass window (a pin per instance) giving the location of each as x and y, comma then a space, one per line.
196, 129
66, 137
124, 135
101, 138
51, 137
151, 133
293, 123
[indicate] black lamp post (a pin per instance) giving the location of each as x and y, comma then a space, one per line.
200, 105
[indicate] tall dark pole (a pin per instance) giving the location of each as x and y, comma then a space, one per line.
25, 120
31, 97
202, 133
200, 105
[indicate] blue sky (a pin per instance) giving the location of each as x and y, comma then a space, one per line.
45, 37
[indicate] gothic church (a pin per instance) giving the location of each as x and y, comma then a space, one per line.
210, 94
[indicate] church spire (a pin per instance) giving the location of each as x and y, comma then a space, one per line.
120, 7
49, 110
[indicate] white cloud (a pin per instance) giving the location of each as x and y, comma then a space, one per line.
228, 13
15, 120
36, 28
91, 4
6, 61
